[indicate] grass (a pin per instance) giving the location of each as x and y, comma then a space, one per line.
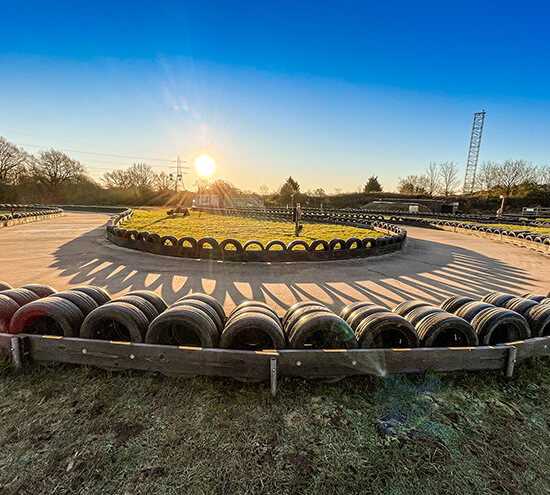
78, 430
540, 230
241, 228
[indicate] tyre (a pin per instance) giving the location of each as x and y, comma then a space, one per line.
497, 298
255, 309
300, 313
534, 297
499, 326
82, 301
453, 303
538, 318
322, 330
250, 305
407, 306
99, 295
5, 286
208, 310
355, 318
158, 302
520, 304
386, 331
545, 301
41, 290
417, 314
183, 326
48, 316
209, 300
469, 310
21, 296
252, 332
143, 305
295, 307
350, 308
445, 330
117, 321
8, 307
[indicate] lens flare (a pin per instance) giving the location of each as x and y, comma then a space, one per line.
205, 165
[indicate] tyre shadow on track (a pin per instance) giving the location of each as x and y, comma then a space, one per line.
425, 270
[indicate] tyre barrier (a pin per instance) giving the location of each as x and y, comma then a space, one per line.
27, 213
253, 250
197, 322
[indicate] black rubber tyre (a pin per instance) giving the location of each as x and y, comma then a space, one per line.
21, 296
209, 300
454, 303
386, 331
48, 316
538, 318
183, 326
497, 298
208, 310
82, 301
297, 306
469, 310
322, 331
140, 303
8, 307
520, 304
407, 306
158, 302
252, 332
249, 305
99, 295
545, 301
499, 326
350, 308
534, 297
445, 330
117, 321
300, 313
355, 318
255, 309
4, 286
417, 314
41, 290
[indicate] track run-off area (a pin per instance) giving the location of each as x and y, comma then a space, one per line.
72, 250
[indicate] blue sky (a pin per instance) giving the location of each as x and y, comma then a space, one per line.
329, 92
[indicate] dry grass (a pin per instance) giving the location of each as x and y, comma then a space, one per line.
203, 224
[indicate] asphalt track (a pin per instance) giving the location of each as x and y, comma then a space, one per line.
72, 250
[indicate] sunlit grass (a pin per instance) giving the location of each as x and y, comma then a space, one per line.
243, 229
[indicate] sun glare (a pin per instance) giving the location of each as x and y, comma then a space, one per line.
205, 165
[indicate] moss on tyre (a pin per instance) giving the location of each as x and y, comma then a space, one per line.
183, 326
48, 316
116, 321
252, 331
41, 290
445, 330
500, 325
8, 307
386, 330
454, 303
322, 331
82, 301
98, 294
157, 301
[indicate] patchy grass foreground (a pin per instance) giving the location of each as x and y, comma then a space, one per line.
71, 430
243, 229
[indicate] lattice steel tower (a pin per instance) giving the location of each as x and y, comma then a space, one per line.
473, 153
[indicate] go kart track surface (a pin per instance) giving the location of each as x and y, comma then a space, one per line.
72, 250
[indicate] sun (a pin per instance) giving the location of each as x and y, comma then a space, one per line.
205, 165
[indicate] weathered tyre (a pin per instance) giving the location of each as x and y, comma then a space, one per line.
248, 305
445, 330
209, 300
158, 302
140, 303
252, 332
208, 310
41, 290
350, 308
99, 295
5, 286
117, 321
21, 296
497, 298
300, 313
454, 303
417, 314
8, 307
520, 304
538, 318
534, 297
183, 326
48, 316
500, 325
255, 309
322, 331
386, 331
469, 310
356, 317
295, 307
83, 302
407, 306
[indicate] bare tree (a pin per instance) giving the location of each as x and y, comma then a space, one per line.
487, 176
202, 185
413, 184
117, 179
163, 182
13, 161
318, 193
544, 175
264, 190
512, 173
448, 174
432, 179
55, 168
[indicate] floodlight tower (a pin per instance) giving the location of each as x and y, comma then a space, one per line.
473, 153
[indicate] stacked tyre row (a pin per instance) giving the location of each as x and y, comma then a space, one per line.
26, 211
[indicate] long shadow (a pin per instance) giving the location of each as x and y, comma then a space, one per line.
424, 270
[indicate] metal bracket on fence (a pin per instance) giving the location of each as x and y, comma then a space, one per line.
511, 360
273, 375
16, 353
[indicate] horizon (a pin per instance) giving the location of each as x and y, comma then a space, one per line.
329, 96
